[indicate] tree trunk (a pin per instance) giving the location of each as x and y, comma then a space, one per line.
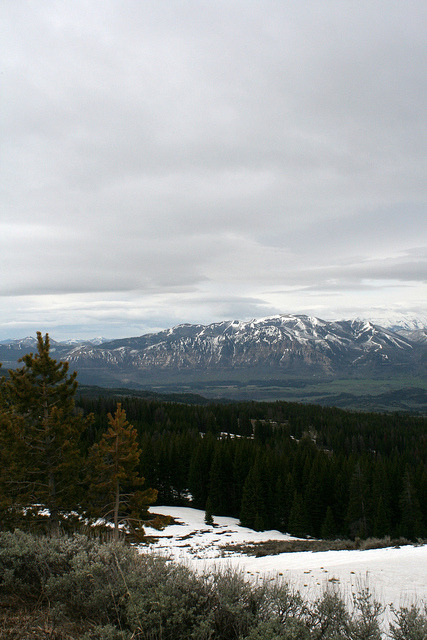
116, 512
54, 518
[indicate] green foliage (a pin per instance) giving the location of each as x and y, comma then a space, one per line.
40, 436
298, 516
253, 510
346, 465
410, 624
208, 513
114, 593
328, 530
364, 624
167, 602
306, 469
329, 617
27, 562
112, 466
107, 632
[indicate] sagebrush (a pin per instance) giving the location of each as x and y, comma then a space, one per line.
69, 587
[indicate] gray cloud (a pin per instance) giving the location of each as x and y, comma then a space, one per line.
211, 159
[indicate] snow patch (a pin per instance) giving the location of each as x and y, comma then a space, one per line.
396, 576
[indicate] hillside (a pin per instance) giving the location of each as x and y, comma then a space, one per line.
284, 357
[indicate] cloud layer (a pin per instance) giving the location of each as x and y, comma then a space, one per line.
169, 162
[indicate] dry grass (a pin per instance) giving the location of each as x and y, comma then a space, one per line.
19, 622
274, 547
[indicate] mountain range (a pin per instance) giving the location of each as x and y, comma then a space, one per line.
278, 347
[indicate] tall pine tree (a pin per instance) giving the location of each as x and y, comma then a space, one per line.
40, 435
112, 464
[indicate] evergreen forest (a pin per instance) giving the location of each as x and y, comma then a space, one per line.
304, 469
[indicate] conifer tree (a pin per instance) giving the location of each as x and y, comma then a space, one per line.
411, 519
40, 435
208, 513
316, 495
198, 475
328, 530
252, 513
358, 505
9, 456
112, 464
381, 501
298, 517
221, 481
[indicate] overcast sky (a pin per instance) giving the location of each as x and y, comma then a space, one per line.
197, 160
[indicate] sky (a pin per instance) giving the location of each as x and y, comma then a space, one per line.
194, 161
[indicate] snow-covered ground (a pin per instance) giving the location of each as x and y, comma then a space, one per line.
396, 576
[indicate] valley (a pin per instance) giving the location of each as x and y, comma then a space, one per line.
352, 364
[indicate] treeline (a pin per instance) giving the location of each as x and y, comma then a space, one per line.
304, 469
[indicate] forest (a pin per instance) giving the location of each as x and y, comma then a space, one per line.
303, 469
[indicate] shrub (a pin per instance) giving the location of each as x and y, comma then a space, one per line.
411, 624
236, 604
166, 601
364, 623
69, 586
106, 632
329, 617
93, 587
27, 562
282, 604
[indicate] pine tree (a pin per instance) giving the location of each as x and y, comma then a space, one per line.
208, 513
253, 507
285, 489
328, 531
198, 476
358, 505
298, 517
112, 475
221, 480
10, 454
411, 525
40, 435
381, 502
315, 494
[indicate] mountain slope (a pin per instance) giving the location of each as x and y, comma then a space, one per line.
298, 345
270, 348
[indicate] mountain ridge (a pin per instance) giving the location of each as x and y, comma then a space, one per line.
276, 347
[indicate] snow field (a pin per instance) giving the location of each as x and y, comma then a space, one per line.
395, 576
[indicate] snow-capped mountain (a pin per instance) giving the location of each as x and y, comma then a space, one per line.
12, 350
270, 347
79, 341
278, 345
409, 325
20, 343
398, 320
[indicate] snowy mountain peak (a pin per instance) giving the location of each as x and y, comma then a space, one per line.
278, 346
397, 320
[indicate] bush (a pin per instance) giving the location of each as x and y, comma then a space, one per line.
282, 604
411, 624
329, 617
166, 601
76, 587
364, 624
27, 562
235, 605
93, 587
